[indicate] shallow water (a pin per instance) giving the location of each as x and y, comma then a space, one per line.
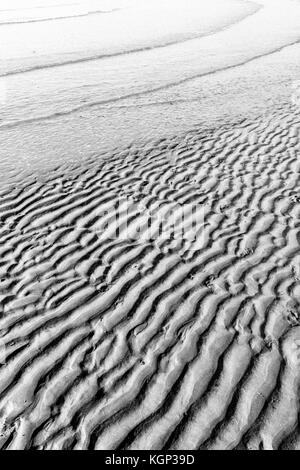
87, 30
243, 31
56, 110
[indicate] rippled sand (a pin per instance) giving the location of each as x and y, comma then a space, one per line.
112, 340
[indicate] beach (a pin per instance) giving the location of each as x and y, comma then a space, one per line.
149, 225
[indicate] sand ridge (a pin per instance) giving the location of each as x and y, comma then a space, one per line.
115, 341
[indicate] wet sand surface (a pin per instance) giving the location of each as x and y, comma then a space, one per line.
112, 337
